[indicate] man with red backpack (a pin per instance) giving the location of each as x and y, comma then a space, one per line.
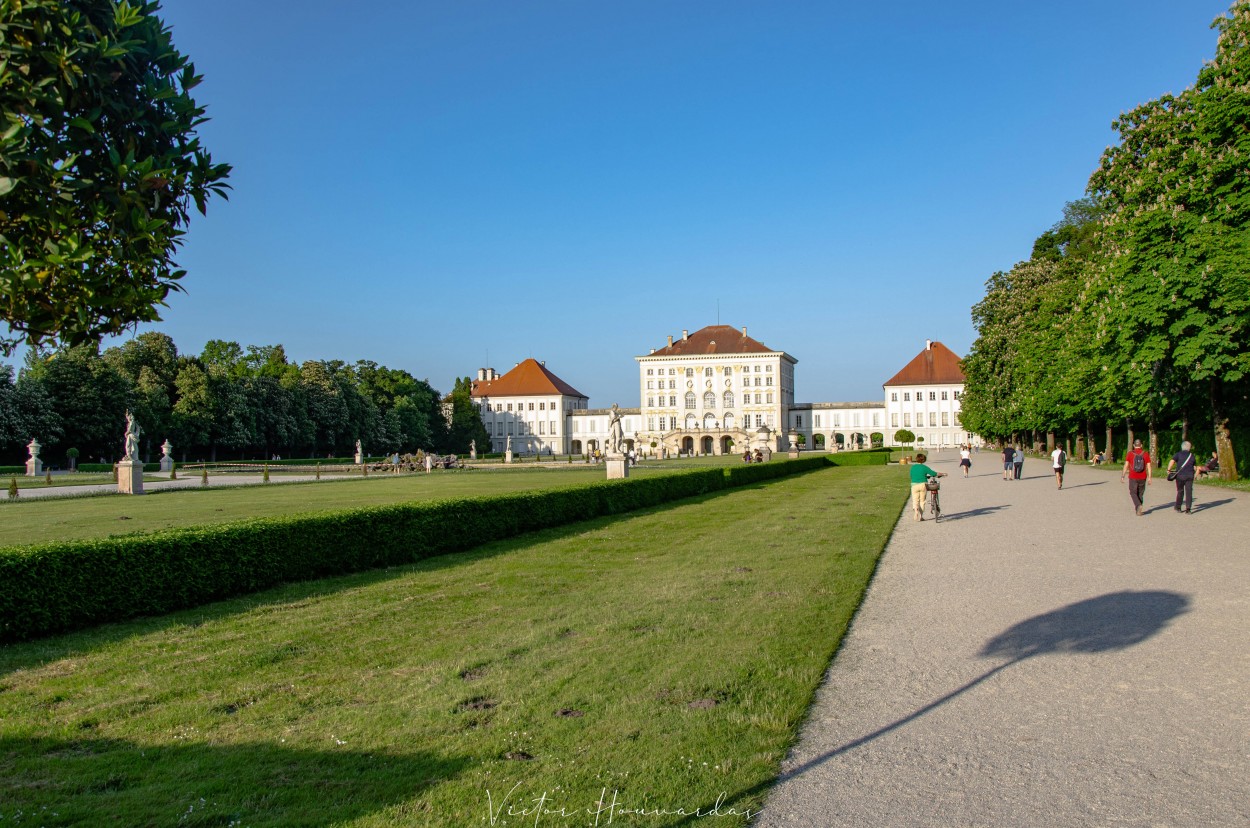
1137, 469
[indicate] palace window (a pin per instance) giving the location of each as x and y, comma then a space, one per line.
689, 399
768, 381
650, 371
957, 395
540, 427
672, 402
932, 419
956, 420
672, 384
650, 402
757, 369
768, 398
672, 372
509, 406
768, 369
798, 421
759, 420
664, 424
707, 372
757, 382
893, 421
709, 400
893, 396
933, 396
729, 370
757, 399
817, 418
728, 400
906, 421
650, 384
837, 420
943, 395
906, 396
876, 420
531, 406
651, 424
689, 372
944, 419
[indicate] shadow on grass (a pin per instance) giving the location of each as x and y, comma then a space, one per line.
1110, 622
96, 781
36, 652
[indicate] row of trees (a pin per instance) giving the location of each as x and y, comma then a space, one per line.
1133, 311
229, 401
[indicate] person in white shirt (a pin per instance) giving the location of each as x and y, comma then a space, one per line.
1058, 459
965, 459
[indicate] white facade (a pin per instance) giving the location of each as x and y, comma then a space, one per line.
839, 426
588, 430
931, 412
713, 399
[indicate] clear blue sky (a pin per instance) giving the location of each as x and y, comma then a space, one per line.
424, 184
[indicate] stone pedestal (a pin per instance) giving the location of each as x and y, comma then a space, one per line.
360, 459
618, 466
167, 464
507, 456
34, 467
766, 452
472, 453
130, 477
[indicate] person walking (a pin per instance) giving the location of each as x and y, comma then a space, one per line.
1058, 460
965, 459
1137, 470
1182, 465
1009, 461
1017, 460
920, 473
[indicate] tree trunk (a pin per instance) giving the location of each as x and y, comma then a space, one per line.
1050, 441
1223, 440
1185, 424
213, 454
1110, 453
1154, 440
1128, 426
1079, 452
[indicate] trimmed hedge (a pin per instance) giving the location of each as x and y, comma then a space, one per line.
859, 458
12, 470
58, 587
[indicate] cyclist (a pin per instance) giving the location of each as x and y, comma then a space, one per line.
919, 474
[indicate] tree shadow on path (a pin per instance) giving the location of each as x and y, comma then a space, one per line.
1110, 622
971, 513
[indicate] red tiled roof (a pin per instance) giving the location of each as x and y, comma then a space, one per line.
528, 379
714, 339
936, 365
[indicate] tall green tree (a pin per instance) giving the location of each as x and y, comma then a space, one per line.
464, 421
1175, 296
100, 165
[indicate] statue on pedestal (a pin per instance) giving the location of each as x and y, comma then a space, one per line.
34, 466
616, 432
167, 456
133, 432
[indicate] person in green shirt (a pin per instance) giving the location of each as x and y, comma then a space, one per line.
919, 474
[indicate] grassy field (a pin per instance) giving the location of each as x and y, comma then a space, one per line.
657, 661
39, 520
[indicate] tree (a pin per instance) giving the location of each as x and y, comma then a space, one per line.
1176, 293
464, 422
99, 167
88, 394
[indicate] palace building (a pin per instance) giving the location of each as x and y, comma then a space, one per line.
716, 391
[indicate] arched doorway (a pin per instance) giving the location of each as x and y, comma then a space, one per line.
687, 445
857, 441
692, 422
708, 443
628, 444
726, 445
592, 445
709, 421
818, 440
576, 447
839, 440
729, 421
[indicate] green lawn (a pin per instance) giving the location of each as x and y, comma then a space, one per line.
658, 660
38, 520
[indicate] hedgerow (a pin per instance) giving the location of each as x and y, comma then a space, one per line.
56, 587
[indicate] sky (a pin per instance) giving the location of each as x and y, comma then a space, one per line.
440, 187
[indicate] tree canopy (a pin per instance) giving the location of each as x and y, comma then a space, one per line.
100, 165
1135, 308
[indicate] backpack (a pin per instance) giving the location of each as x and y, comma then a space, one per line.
1139, 462
1063, 458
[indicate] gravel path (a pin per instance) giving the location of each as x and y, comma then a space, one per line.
1039, 658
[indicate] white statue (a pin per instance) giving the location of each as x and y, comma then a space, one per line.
473, 447
509, 442
133, 432
616, 432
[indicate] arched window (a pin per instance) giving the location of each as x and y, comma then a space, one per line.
729, 421
690, 399
709, 400
729, 400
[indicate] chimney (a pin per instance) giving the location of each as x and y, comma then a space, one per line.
928, 344
685, 335
670, 340
543, 363
744, 330
653, 350
481, 375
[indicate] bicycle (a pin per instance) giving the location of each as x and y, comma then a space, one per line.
931, 487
